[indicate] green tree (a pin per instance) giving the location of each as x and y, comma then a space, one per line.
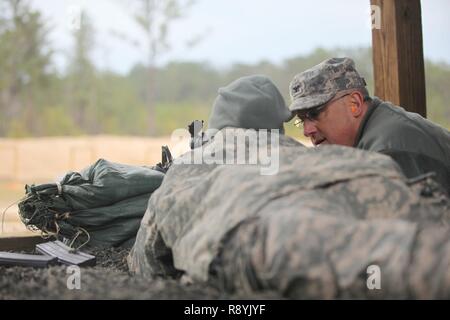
155, 17
24, 64
81, 78
437, 78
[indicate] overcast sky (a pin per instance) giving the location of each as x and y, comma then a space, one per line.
239, 30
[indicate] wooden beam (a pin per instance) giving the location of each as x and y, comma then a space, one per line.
20, 243
398, 54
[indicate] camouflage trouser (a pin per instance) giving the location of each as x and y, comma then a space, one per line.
320, 257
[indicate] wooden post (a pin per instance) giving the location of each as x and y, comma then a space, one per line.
398, 54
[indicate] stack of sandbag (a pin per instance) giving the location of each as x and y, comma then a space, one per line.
101, 206
312, 230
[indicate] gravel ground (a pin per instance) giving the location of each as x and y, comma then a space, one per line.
109, 279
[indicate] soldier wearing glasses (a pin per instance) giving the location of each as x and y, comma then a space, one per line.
334, 106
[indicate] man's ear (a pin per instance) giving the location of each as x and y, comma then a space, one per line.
356, 104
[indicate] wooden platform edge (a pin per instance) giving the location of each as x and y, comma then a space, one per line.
20, 243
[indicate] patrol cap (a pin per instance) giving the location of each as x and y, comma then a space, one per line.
318, 85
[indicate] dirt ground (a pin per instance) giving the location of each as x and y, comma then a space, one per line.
109, 279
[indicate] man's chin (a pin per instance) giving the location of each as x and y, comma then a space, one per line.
320, 143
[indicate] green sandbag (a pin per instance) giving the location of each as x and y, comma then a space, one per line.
102, 205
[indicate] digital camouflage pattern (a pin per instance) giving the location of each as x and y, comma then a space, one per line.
310, 231
319, 84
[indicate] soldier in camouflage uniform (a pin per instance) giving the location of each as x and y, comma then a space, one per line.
332, 102
309, 231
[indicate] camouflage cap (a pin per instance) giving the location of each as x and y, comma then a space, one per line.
318, 85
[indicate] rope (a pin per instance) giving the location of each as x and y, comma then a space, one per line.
80, 230
58, 185
15, 202
62, 216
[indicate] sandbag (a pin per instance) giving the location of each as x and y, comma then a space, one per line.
309, 231
100, 206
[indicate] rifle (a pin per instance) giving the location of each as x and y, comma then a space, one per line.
197, 134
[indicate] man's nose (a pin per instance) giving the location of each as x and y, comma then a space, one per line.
309, 128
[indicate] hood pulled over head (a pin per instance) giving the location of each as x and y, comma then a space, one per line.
251, 102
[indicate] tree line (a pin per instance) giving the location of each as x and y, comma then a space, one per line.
37, 100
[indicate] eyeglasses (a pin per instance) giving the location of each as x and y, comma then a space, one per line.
313, 114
